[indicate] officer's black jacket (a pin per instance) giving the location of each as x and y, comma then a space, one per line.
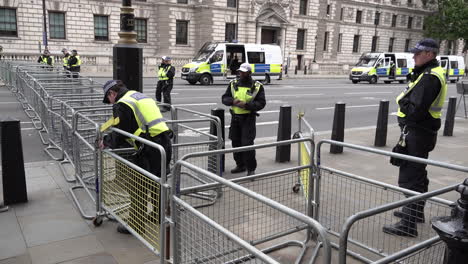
71, 61
415, 105
127, 123
255, 105
171, 73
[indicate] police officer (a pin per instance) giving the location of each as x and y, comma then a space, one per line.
245, 97
74, 64
419, 113
136, 113
66, 57
166, 74
45, 58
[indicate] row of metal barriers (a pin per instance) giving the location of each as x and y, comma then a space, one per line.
190, 213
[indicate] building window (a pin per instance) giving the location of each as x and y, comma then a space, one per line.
377, 18
340, 37
359, 16
328, 9
182, 32
410, 22
325, 41
101, 29
141, 30
341, 13
230, 32
390, 44
57, 25
394, 19
231, 3
300, 44
8, 22
182, 1
407, 44
356, 41
303, 7
375, 40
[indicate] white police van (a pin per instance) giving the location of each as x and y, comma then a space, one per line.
454, 67
220, 61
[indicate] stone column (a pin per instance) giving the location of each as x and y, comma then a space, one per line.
259, 33
283, 40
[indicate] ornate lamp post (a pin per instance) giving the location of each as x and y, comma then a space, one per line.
127, 56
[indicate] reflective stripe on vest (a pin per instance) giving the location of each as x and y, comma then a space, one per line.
243, 94
162, 73
78, 62
146, 113
65, 61
44, 60
436, 107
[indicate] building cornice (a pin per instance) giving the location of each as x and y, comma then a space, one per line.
390, 7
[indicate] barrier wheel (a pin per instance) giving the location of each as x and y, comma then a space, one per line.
97, 221
296, 188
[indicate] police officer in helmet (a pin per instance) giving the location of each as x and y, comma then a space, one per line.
245, 97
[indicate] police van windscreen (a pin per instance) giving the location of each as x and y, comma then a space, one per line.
366, 61
205, 52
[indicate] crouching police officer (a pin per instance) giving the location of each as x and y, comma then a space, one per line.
245, 97
134, 113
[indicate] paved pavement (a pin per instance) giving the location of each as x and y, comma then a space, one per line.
49, 229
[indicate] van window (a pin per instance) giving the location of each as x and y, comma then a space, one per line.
256, 57
218, 56
454, 65
401, 63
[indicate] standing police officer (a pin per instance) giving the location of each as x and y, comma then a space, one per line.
46, 59
419, 113
66, 57
245, 97
74, 64
166, 74
139, 115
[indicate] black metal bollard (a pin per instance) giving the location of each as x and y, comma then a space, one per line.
14, 180
283, 153
382, 122
286, 70
450, 117
219, 112
338, 127
295, 70
453, 230
305, 70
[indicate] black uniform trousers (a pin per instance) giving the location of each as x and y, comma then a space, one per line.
413, 175
242, 133
164, 88
150, 159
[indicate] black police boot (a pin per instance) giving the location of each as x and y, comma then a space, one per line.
238, 169
419, 218
402, 228
122, 229
250, 172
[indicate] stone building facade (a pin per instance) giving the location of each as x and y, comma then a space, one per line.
326, 36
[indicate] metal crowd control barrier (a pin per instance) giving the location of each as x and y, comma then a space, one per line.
135, 197
354, 209
259, 209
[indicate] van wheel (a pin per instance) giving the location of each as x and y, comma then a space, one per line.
192, 82
373, 80
267, 79
453, 81
205, 79
355, 81
387, 82
401, 81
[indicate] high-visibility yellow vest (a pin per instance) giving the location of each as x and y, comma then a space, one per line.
243, 94
44, 60
65, 61
162, 73
436, 107
146, 113
78, 62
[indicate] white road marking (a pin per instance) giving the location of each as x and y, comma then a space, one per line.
199, 104
9, 102
351, 106
370, 93
204, 129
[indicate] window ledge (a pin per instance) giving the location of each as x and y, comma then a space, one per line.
102, 41
54, 39
8, 37
183, 45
